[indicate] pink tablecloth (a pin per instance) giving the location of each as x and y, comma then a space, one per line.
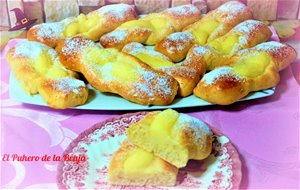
265, 132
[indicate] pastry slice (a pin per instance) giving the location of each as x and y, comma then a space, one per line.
131, 165
172, 136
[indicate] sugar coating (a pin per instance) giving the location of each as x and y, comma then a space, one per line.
247, 26
52, 30
231, 9
135, 48
76, 45
115, 36
198, 128
176, 41
200, 50
194, 123
69, 84
246, 29
150, 83
272, 46
183, 10
212, 76
33, 49
117, 11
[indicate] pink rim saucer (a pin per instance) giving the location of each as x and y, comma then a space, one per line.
223, 171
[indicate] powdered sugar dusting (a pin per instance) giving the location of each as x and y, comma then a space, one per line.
68, 85
33, 49
116, 36
75, 45
183, 10
200, 50
194, 123
270, 46
152, 85
52, 30
231, 7
176, 41
180, 36
197, 127
247, 26
117, 11
212, 76
135, 48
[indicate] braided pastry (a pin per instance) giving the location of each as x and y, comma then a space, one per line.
117, 72
215, 54
152, 28
212, 26
91, 26
186, 76
38, 69
248, 70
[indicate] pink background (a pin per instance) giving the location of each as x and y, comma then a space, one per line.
265, 132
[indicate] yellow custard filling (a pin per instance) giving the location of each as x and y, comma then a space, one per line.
252, 65
225, 44
43, 64
162, 125
202, 31
136, 23
138, 159
81, 25
120, 67
153, 60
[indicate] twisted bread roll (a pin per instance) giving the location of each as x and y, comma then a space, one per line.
216, 53
38, 69
186, 76
91, 26
131, 165
152, 28
212, 26
172, 136
108, 70
250, 70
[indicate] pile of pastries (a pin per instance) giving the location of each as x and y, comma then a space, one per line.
157, 146
223, 56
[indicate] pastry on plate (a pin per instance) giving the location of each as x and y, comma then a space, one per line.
152, 28
38, 70
172, 136
131, 165
175, 46
248, 70
109, 70
186, 76
211, 26
217, 52
91, 26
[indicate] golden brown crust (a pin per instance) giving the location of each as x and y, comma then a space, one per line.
228, 15
150, 86
109, 17
59, 93
146, 31
224, 85
176, 45
224, 90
